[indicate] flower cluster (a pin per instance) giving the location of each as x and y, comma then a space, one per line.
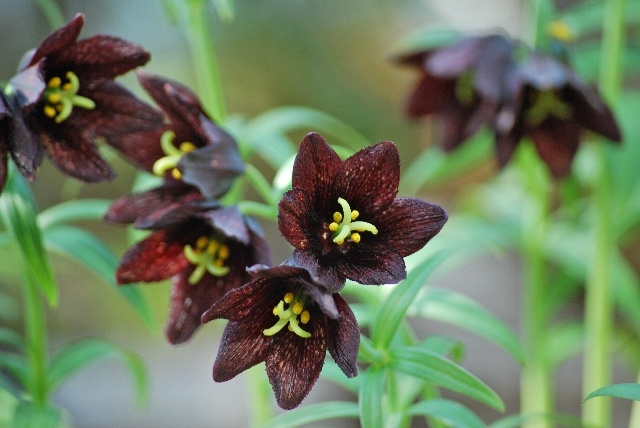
343, 218
345, 222
494, 81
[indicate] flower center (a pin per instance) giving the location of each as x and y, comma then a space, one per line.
464, 88
208, 255
344, 225
295, 307
173, 155
59, 99
546, 103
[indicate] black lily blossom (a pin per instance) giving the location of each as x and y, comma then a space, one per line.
548, 102
461, 84
188, 147
287, 320
344, 219
17, 141
66, 94
206, 248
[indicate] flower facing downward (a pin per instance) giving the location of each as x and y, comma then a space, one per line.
205, 248
65, 91
288, 321
344, 219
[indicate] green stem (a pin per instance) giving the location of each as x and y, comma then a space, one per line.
260, 184
52, 12
36, 340
542, 11
535, 383
200, 42
260, 393
598, 306
257, 209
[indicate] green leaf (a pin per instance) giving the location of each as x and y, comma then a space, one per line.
557, 419
8, 405
443, 346
459, 310
630, 391
18, 213
314, 413
333, 373
82, 246
10, 338
225, 9
30, 415
69, 211
370, 397
16, 366
450, 412
563, 342
77, 355
438, 370
391, 313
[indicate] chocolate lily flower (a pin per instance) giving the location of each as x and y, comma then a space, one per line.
461, 84
67, 96
205, 248
190, 148
284, 318
344, 219
550, 103
15, 139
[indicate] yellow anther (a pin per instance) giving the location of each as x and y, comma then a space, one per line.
288, 297
333, 226
289, 327
305, 317
355, 237
354, 215
212, 247
55, 82
339, 241
218, 263
347, 227
175, 173
67, 86
223, 252
337, 217
202, 242
561, 31
187, 146
297, 308
275, 310
50, 111
54, 98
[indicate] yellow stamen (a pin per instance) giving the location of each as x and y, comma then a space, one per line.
175, 173
55, 82
206, 257
347, 227
223, 252
289, 316
173, 155
60, 99
50, 111
560, 30
187, 147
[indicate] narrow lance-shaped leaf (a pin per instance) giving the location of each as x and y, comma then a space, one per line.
630, 391
18, 213
75, 356
459, 310
370, 397
440, 371
87, 249
74, 210
450, 412
392, 311
314, 413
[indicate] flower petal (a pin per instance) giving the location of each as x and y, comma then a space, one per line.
372, 265
557, 143
298, 221
241, 302
314, 169
155, 258
432, 94
327, 274
343, 338
57, 41
98, 58
294, 363
407, 225
369, 179
242, 346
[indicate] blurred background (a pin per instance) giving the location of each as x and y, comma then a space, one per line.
332, 55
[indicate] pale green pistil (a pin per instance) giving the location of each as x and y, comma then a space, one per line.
545, 104
295, 307
344, 225
60, 98
209, 255
173, 155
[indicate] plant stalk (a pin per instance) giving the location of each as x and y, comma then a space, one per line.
598, 307
36, 340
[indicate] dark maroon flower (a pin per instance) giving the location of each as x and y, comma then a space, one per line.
344, 219
258, 312
68, 99
204, 247
550, 103
462, 84
15, 139
189, 148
